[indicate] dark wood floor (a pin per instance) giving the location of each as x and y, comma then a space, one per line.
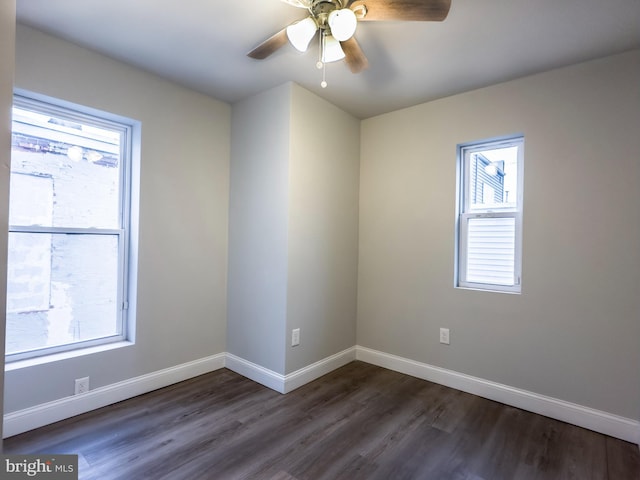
359, 422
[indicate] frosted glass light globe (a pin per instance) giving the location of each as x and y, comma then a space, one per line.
301, 33
343, 24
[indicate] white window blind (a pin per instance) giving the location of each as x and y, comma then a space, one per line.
491, 250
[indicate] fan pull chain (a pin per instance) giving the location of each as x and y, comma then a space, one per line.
320, 50
322, 65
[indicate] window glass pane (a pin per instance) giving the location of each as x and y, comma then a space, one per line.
61, 289
63, 173
493, 178
491, 250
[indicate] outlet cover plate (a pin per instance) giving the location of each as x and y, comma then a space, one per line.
444, 336
82, 385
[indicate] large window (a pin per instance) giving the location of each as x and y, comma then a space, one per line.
490, 215
68, 228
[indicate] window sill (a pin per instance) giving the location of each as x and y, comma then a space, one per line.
58, 357
488, 290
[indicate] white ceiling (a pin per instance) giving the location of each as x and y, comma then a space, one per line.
203, 44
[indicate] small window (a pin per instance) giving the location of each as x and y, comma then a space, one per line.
68, 228
490, 215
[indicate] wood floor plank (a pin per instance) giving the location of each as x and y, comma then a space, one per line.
360, 422
622, 457
584, 454
542, 455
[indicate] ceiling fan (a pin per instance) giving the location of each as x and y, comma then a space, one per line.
337, 20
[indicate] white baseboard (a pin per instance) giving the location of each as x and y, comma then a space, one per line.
47, 413
255, 372
316, 370
287, 383
597, 420
592, 419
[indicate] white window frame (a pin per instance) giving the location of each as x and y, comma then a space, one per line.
129, 131
465, 213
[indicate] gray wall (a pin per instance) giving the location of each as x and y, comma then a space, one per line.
573, 333
293, 229
182, 262
323, 229
7, 53
257, 298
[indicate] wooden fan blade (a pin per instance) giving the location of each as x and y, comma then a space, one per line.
405, 10
270, 45
354, 56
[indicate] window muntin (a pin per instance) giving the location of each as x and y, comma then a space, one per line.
490, 215
69, 231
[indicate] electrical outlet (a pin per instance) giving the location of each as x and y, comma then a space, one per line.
444, 336
82, 385
295, 337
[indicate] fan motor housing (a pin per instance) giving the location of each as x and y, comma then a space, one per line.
320, 9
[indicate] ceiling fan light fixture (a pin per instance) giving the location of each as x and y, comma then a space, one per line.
331, 50
343, 24
301, 33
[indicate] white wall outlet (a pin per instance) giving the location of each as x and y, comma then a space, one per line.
295, 337
82, 385
444, 336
